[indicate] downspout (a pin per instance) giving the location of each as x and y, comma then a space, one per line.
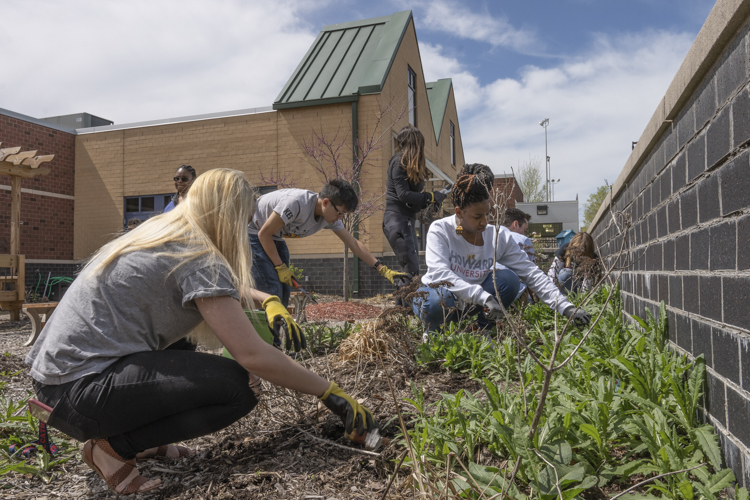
355, 229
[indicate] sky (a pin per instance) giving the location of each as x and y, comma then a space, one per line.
596, 68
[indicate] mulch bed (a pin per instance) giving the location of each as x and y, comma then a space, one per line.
272, 452
341, 311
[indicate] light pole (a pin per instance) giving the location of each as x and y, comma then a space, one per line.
544, 124
552, 183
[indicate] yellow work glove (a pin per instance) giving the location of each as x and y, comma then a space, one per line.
391, 275
352, 413
282, 325
285, 274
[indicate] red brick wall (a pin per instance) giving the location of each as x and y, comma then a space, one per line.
47, 222
508, 189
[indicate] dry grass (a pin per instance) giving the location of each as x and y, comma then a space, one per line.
388, 334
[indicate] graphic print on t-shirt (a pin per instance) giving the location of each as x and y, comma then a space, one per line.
469, 266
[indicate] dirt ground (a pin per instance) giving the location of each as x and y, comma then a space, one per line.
287, 447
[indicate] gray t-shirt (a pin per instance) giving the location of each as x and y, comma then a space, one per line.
140, 302
296, 207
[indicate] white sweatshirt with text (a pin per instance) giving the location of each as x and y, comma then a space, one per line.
451, 258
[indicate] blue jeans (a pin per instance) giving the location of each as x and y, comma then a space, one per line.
264, 272
434, 313
565, 278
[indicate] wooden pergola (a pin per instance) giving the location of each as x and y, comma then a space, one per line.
18, 165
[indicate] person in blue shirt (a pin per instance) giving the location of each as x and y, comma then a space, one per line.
183, 179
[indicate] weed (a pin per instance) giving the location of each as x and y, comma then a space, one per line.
321, 338
18, 427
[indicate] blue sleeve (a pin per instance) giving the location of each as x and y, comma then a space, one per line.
169, 207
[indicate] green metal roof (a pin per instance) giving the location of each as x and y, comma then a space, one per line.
437, 95
345, 61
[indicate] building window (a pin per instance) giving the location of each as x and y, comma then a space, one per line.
143, 207
412, 97
267, 189
453, 142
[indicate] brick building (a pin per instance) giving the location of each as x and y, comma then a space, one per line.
507, 189
684, 191
47, 202
352, 73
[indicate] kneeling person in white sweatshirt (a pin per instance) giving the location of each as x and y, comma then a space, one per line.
461, 250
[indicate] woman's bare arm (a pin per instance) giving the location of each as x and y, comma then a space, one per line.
232, 327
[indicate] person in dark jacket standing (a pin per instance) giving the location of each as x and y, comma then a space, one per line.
404, 198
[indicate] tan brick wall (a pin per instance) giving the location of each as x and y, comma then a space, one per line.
142, 161
298, 127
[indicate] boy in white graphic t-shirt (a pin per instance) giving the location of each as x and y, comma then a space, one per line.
297, 213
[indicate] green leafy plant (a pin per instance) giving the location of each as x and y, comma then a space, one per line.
19, 428
620, 404
321, 338
297, 272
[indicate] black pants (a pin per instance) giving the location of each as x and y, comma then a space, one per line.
151, 398
402, 236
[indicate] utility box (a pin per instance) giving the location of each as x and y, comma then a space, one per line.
78, 120
564, 237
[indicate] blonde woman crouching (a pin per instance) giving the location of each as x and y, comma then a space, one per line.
102, 361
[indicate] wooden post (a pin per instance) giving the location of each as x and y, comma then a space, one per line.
21, 273
19, 165
15, 215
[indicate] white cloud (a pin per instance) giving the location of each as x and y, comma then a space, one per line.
436, 66
456, 19
144, 60
141, 60
597, 104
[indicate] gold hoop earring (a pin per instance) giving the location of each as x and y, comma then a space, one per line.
459, 228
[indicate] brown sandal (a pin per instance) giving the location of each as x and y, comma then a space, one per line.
122, 473
184, 452
161, 452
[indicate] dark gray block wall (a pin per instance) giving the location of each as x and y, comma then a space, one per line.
325, 275
689, 204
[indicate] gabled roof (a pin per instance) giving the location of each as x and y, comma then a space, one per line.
345, 61
437, 95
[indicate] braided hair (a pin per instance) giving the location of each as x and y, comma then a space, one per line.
473, 185
189, 169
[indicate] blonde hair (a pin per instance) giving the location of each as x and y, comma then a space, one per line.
410, 143
211, 221
581, 245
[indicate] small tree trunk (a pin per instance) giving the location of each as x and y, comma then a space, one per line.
346, 274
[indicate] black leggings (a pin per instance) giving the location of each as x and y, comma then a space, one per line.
151, 398
402, 236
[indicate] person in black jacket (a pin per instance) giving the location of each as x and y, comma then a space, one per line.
404, 198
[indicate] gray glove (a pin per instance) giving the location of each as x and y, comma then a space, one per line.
493, 311
438, 197
579, 316
404, 280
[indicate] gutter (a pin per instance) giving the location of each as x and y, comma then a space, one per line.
355, 229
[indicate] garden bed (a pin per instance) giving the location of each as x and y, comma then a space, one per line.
341, 311
623, 410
